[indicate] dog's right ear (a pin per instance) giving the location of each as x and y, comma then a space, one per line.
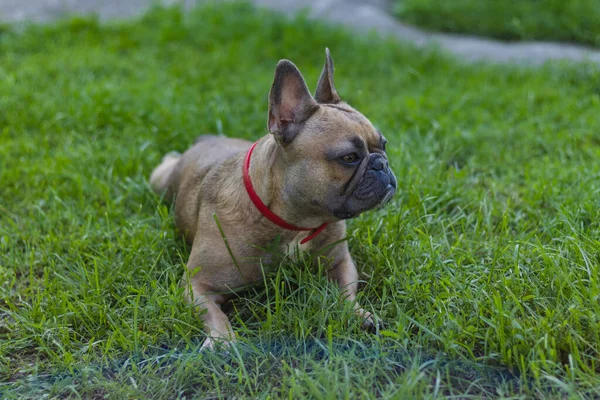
326, 93
290, 102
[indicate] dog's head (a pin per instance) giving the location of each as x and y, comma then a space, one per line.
334, 159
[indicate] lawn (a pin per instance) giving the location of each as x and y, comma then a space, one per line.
558, 20
484, 268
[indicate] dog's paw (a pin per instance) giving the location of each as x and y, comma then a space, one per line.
211, 344
370, 322
208, 345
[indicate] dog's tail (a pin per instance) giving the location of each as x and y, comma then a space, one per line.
160, 178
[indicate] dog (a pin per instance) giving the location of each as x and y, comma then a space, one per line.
321, 163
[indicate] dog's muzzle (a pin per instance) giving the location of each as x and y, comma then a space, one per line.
375, 188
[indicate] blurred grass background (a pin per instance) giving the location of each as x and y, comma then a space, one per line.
575, 21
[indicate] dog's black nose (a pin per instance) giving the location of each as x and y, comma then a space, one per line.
379, 163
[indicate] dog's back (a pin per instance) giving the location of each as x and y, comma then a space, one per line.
180, 176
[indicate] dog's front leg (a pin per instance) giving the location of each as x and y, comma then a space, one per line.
211, 279
208, 305
344, 273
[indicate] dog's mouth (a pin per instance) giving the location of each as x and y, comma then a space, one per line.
390, 191
386, 198
345, 214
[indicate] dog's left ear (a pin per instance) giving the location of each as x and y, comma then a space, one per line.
326, 93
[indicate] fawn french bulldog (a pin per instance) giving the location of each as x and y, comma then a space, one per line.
321, 163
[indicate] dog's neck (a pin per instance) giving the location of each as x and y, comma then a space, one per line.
266, 173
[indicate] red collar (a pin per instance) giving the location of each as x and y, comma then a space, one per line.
264, 210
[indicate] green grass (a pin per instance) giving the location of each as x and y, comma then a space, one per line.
484, 268
557, 20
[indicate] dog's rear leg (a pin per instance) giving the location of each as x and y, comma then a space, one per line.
159, 180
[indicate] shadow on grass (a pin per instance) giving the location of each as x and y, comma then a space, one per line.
261, 365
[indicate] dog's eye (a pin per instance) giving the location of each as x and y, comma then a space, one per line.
350, 158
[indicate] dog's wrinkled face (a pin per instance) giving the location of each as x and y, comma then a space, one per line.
339, 162
335, 160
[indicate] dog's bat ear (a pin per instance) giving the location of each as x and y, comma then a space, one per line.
326, 93
290, 102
